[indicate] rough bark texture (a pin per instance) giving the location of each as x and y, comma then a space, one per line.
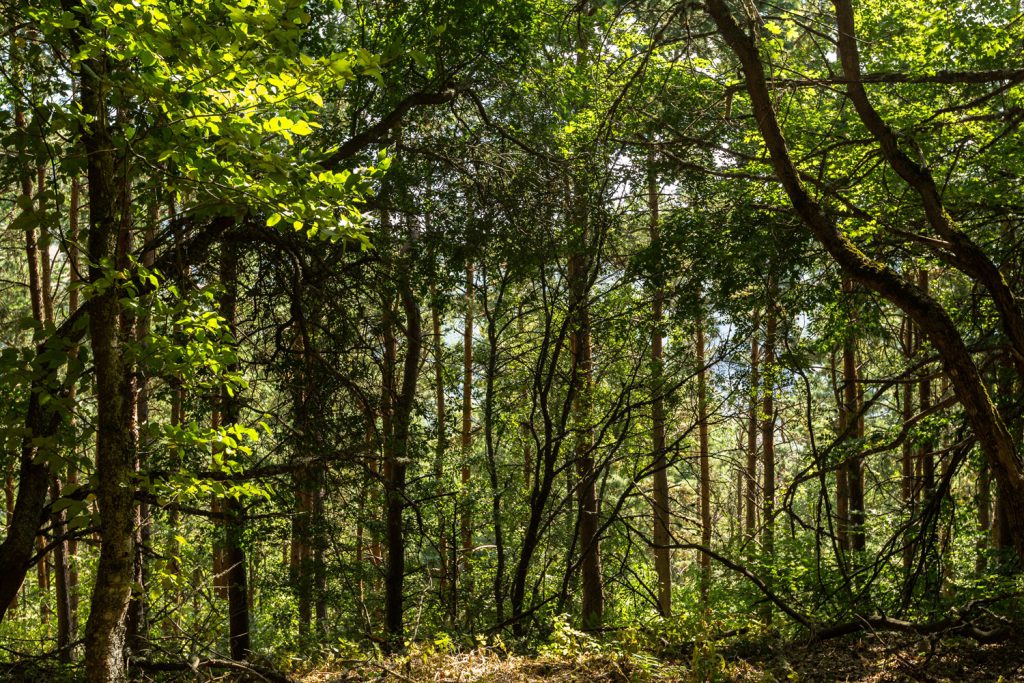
466, 516
441, 447
907, 486
234, 510
592, 609
705, 466
662, 514
115, 447
851, 472
751, 486
768, 441
396, 454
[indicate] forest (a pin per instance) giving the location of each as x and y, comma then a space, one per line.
512, 340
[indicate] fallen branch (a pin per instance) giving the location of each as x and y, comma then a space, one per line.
260, 672
957, 627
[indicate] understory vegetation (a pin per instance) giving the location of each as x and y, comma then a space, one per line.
511, 340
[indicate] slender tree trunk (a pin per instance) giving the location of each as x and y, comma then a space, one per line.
396, 454
441, 447
526, 422
234, 511
705, 466
842, 524
301, 555
752, 429
926, 454
850, 486
466, 516
137, 626
70, 548
65, 627
768, 441
489, 443
319, 546
37, 305
588, 541
661, 502
907, 453
398, 411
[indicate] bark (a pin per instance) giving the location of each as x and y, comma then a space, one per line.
490, 446
396, 454
842, 525
926, 454
441, 446
592, 608
465, 518
301, 568
851, 426
137, 617
74, 277
752, 429
931, 318
115, 448
66, 575
705, 466
234, 510
907, 488
768, 441
661, 503
400, 400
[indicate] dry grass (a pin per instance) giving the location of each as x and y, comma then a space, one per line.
867, 658
490, 666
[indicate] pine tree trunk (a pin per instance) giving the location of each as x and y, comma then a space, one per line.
908, 487
661, 508
235, 568
752, 429
705, 466
588, 541
768, 443
465, 496
440, 448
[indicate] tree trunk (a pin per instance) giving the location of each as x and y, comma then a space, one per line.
752, 429
768, 441
396, 454
115, 448
907, 488
234, 511
489, 443
661, 503
137, 636
926, 454
851, 428
62, 571
465, 497
582, 372
441, 447
705, 466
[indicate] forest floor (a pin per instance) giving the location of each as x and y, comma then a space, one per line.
866, 658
